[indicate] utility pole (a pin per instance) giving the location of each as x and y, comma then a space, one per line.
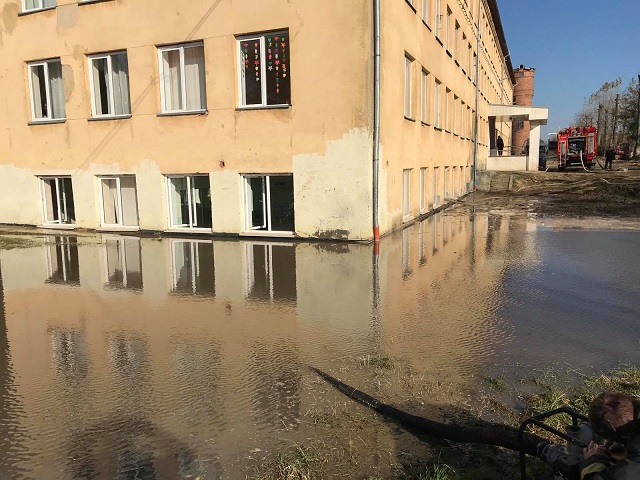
615, 122
604, 129
635, 150
599, 118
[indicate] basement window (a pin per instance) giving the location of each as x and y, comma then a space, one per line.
57, 200
189, 201
269, 203
119, 201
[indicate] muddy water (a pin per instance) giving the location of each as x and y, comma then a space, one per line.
186, 358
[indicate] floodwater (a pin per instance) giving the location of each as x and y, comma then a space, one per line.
187, 358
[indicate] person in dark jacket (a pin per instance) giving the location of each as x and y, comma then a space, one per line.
616, 418
500, 145
609, 155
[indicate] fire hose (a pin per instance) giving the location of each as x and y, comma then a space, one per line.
564, 459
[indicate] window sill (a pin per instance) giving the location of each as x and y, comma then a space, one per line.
58, 226
267, 233
464, 70
407, 218
104, 119
88, 2
409, 118
426, 25
47, 122
117, 228
424, 124
37, 10
439, 40
446, 130
448, 52
438, 128
457, 63
263, 107
412, 6
189, 230
181, 114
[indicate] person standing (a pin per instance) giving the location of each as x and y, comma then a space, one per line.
609, 155
500, 145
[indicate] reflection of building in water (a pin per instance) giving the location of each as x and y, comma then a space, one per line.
62, 260
69, 352
123, 263
270, 271
193, 269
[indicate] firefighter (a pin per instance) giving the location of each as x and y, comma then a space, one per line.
609, 155
616, 418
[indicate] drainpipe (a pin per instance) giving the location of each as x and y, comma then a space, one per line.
476, 120
376, 116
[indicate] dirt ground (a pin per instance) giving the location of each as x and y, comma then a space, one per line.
577, 193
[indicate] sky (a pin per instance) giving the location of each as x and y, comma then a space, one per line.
575, 46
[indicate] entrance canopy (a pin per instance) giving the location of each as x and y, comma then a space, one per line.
536, 116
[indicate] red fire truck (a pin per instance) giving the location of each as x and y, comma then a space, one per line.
577, 147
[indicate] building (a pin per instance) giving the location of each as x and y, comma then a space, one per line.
245, 118
522, 95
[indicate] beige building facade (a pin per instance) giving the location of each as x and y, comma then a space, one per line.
241, 117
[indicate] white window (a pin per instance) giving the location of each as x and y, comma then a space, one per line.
57, 200
437, 110
455, 42
455, 114
30, 5
189, 201
269, 203
448, 32
122, 263
406, 193
436, 197
454, 175
182, 78
424, 88
447, 119
439, 18
408, 74
119, 201
265, 69
192, 267
47, 94
110, 85
425, 11
423, 189
447, 193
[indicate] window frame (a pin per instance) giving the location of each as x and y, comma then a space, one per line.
425, 11
180, 47
406, 194
424, 99
120, 225
423, 189
108, 55
408, 86
37, 9
43, 201
437, 109
45, 64
266, 228
261, 37
190, 226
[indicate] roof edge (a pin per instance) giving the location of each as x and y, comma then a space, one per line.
497, 22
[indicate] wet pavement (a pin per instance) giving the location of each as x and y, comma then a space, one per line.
187, 358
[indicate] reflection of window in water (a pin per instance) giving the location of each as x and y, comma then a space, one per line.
275, 371
436, 222
62, 260
123, 263
193, 268
128, 356
406, 253
270, 271
69, 352
422, 243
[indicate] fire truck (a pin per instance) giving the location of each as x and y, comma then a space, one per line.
577, 147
